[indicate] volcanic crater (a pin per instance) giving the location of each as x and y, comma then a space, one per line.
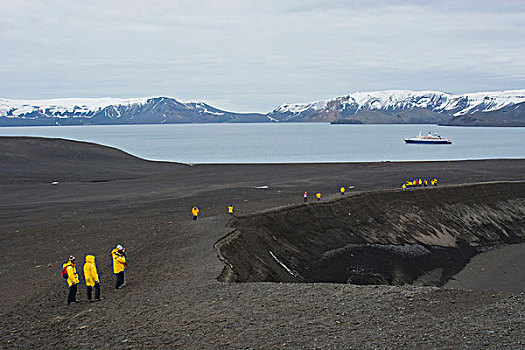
391, 237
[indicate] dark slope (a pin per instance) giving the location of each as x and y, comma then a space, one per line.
28, 159
508, 116
502, 268
411, 116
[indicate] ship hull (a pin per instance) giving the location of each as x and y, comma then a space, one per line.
434, 142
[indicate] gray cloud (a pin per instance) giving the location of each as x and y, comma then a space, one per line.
254, 55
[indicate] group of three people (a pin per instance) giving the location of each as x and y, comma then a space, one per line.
318, 194
91, 277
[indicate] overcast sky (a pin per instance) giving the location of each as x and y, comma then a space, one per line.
243, 55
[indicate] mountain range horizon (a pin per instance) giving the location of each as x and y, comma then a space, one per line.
496, 108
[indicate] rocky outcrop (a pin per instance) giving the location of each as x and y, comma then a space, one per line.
509, 116
420, 236
411, 116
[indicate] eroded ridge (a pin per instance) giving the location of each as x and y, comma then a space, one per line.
421, 236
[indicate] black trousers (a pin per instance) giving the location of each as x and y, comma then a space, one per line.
97, 291
72, 295
120, 280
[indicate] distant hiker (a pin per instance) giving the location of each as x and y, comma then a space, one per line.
195, 212
403, 186
318, 196
91, 277
69, 272
119, 264
425, 183
305, 196
342, 190
420, 182
230, 209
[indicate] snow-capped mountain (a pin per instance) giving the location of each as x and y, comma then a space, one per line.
399, 106
500, 108
78, 111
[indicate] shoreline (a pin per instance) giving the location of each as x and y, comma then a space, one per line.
300, 144
14, 138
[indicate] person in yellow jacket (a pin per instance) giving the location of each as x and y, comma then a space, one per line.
342, 190
318, 196
195, 212
231, 209
91, 276
119, 264
69, 271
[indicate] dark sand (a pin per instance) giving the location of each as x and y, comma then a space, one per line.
172, 300
502, 269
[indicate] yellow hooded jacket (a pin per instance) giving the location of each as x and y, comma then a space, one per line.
119, 261
72, 276
90, 271
195, 211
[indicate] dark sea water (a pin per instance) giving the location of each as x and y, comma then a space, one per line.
290, 143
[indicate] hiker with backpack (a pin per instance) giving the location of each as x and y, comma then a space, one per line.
91, 277
69, 272
119, 264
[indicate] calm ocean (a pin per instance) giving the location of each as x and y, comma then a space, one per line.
290, 143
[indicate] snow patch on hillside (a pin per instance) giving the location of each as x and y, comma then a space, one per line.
80, 106
301, 107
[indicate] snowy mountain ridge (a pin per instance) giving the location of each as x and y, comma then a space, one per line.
83, 106
498, 108
389, 100
146, 110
